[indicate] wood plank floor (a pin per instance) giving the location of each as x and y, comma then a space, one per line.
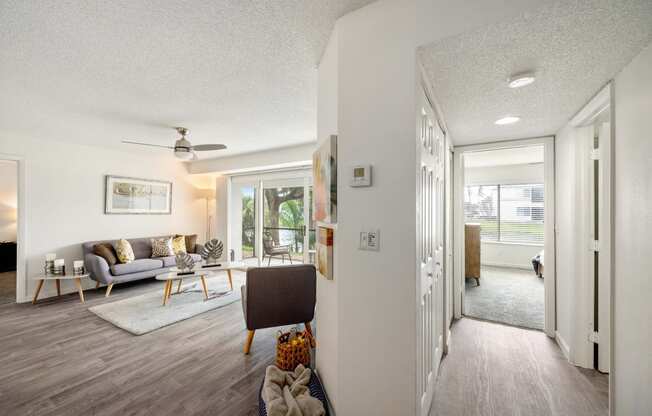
7, 287
60, 359
495, 369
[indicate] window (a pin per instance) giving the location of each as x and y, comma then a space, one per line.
481, 206
506, 213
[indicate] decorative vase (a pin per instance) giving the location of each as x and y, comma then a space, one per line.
212, 251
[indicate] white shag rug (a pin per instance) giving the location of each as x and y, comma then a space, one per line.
146, 313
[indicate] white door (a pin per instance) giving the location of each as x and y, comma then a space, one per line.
430, 236
604, 249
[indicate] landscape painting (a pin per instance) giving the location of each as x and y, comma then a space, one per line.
324, 169
137, 196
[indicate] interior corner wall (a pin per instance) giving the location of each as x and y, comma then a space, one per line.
64, 201
632, 289
8, 200
326, 357
376, 291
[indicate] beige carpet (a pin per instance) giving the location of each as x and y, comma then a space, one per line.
511, 296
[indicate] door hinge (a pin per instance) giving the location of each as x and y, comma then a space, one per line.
595, 246
595, 154
594, 337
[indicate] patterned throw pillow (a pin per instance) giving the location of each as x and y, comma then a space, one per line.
124, 251
179, 244
162, 247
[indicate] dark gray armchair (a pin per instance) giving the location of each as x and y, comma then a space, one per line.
278, 296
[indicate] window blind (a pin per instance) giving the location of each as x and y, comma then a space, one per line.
481, 206
506, 213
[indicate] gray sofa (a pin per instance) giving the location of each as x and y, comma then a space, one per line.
142, 268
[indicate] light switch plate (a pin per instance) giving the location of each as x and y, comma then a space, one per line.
370, 240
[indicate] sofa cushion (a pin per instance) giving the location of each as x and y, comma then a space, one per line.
162, 247
171, 261
107, 252
142, 247
124, 251
179, 244
139, 265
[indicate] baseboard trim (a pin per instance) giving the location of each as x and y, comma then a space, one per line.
562, 345
509, 266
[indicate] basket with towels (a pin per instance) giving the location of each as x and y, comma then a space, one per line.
292, 393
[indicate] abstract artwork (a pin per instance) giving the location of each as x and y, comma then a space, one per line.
325, 252
324, 170
137, 196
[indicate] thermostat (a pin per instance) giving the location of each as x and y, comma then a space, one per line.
361, 176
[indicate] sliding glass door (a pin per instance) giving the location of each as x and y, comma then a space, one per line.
270, 219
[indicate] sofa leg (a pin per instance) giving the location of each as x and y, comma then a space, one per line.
250, 339
97, 285
108, 290
477, 281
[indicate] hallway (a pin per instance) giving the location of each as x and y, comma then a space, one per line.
494, 369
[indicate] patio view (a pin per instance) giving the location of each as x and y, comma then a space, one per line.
284, 225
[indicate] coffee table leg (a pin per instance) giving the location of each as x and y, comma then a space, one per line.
58, 283
79, 289
228, 271
168, 285
179, 286
203, 283
39, 285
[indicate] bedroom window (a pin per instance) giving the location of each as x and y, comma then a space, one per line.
506, 213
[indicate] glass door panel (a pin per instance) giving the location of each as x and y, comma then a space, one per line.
283, 223
243, 223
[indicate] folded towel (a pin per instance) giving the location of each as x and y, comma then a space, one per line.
286, 393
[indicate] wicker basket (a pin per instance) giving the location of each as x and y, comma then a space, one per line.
289, 354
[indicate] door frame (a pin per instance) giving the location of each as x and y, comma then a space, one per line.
548, 143
21, 227
582, 347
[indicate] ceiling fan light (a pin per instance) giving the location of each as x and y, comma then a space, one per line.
182, 153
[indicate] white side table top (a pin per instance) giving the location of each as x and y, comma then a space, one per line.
62, 277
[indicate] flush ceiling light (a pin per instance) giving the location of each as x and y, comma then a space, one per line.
521, 80
507, 120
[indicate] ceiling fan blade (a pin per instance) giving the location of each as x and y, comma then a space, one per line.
147, 144
208, 147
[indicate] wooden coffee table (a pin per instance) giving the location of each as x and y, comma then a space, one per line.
199, 272
57, 280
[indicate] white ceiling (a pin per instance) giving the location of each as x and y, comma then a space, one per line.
504, 157
237, 72
574, 46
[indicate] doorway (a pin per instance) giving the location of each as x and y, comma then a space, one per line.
504, 236
270, 218
8, 230
505, 230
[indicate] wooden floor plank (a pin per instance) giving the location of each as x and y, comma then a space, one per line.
60, 359
495, 369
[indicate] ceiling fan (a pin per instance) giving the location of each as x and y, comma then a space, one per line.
183, 149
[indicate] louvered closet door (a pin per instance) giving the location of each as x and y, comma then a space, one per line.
430, 209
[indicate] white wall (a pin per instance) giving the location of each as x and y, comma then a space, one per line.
327, 311
64, 200
632, 294
8, 200
506, 254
